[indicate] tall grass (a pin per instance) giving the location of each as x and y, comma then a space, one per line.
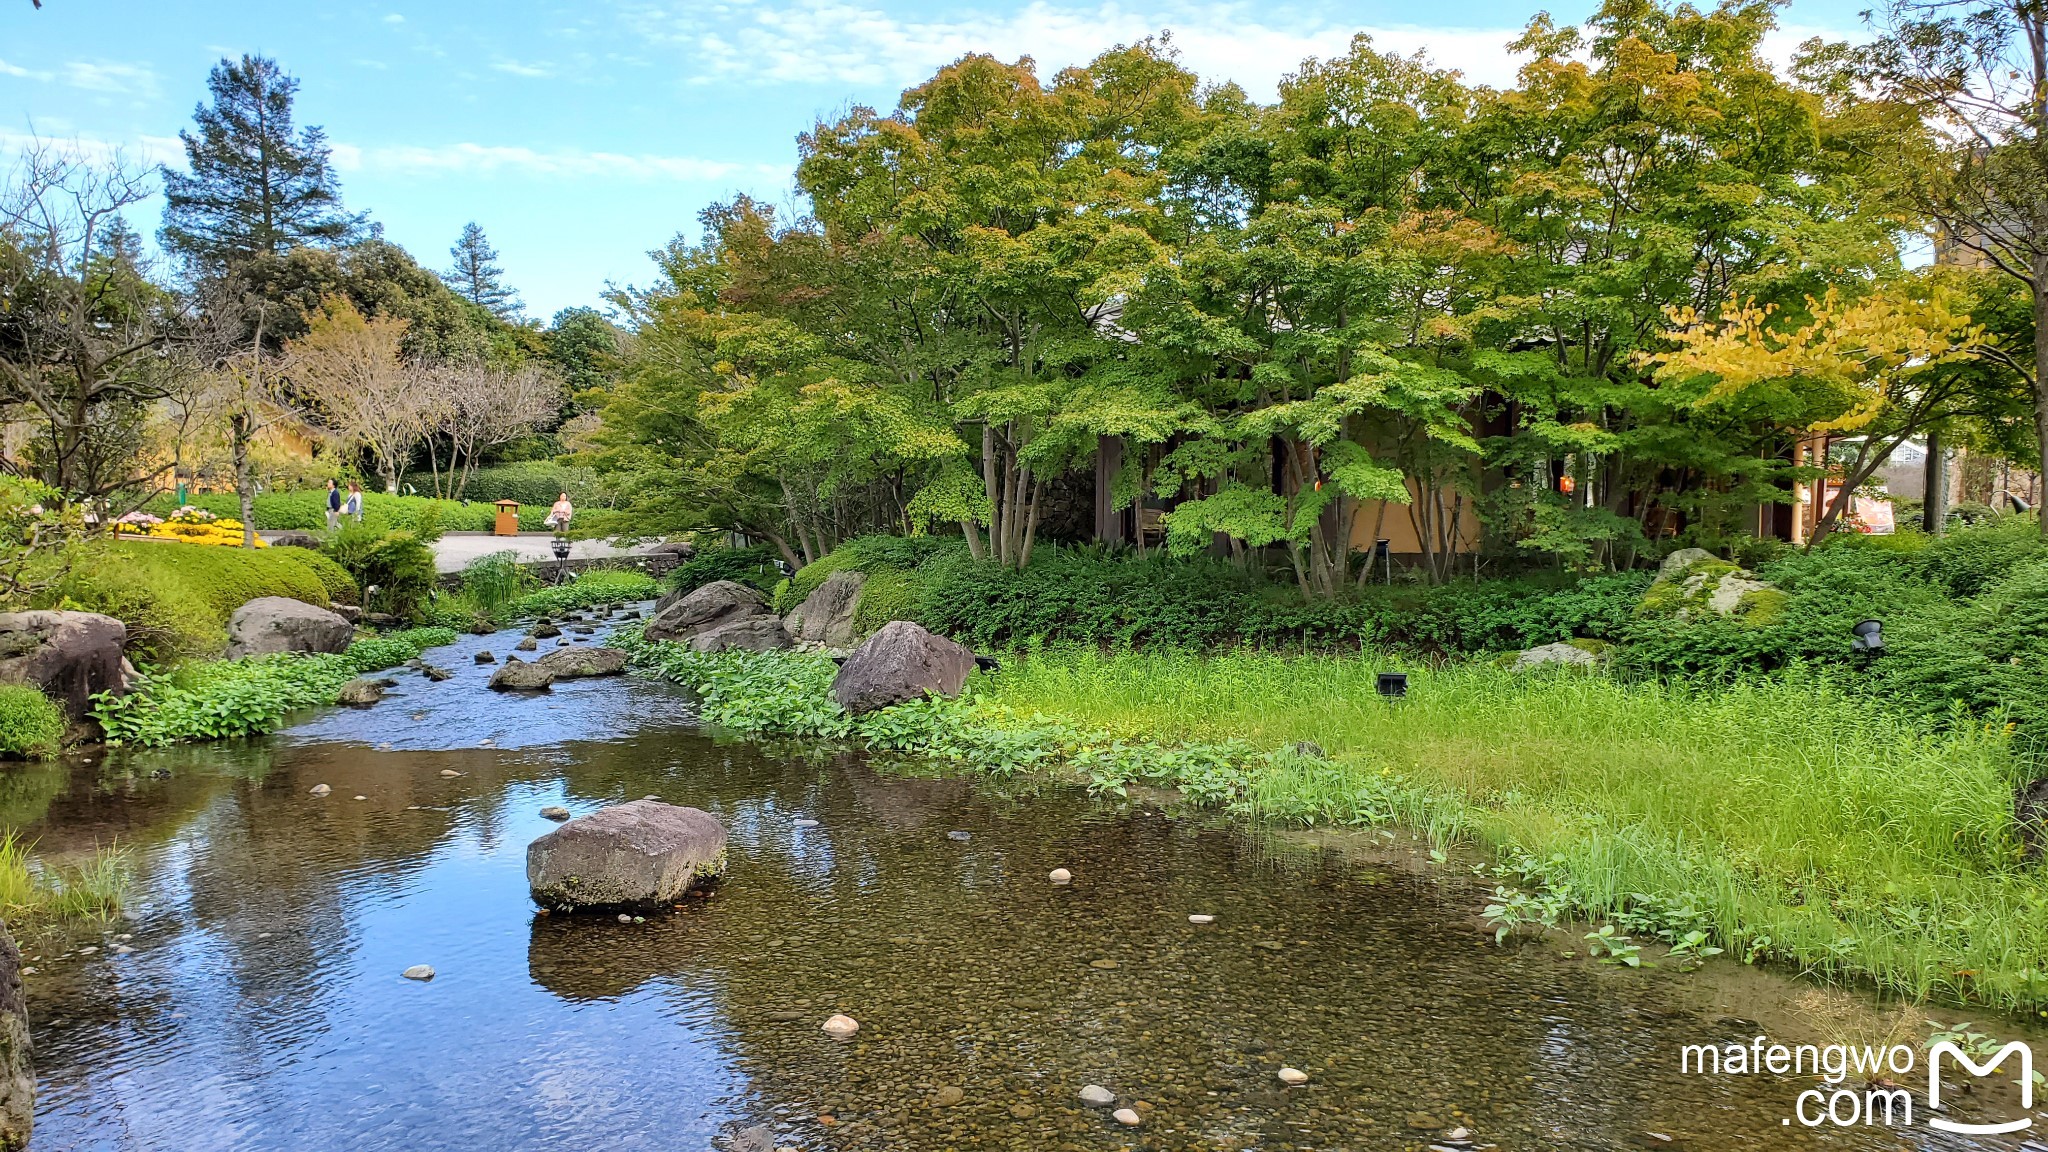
1806, 824
31, 889
491, 582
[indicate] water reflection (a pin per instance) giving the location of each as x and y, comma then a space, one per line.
262, 1008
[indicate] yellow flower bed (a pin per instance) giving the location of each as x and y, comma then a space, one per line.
192, 526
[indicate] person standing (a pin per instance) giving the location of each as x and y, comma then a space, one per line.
333, 505
354, 508
559, 513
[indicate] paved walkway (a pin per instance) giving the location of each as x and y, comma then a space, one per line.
454, 551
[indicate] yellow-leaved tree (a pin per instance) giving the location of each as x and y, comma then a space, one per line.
1863, 373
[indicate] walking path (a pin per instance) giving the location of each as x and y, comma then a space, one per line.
454, 550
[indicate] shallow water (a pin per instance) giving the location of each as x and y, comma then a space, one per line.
262, 1006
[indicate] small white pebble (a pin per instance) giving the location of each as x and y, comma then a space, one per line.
362, 797
1201, 918
418, 972
1128, 1117
625, 918
320, 790
840, 1026
1293, 1076
1060, 876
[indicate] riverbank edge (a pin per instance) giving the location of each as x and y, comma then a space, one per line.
787, 694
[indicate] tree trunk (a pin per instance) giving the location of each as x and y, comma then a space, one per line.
1934, 499
2039, 268
240, 433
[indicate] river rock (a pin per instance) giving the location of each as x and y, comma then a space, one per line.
1293, 1076
716, 603
1128, 1117
69, 655
555, 812
360, 692
319, 790
1060, 876
900, 663
641, 853
826, 615
1096, 1096
17, 1067
419, 972
578, 663
839, 1026
436, 674
281, 624
762, 633
1201, 918
295, 540
527, 645
948, 1096
486, 658
544, 631
1560, 654
516, 675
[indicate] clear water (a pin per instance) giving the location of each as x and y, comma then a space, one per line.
262, 1006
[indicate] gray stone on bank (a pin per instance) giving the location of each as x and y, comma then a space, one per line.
580, 663
826, 615
271, 624
17, 1066
763, 633
640, 854
360, 692
900, 663
1560, 654
68, 655
715, 604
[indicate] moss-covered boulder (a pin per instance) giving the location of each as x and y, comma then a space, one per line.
1693, 582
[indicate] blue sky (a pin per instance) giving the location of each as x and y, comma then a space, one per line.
581, 135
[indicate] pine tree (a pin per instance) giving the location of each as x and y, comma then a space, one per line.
476, 276
255, 187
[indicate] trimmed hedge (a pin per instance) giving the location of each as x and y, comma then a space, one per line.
176, 598
306, 511
535, 482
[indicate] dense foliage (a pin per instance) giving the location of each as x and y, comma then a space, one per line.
306, 511
176, 598
31, 725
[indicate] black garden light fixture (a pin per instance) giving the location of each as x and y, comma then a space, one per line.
1869, 638
1392, 685
561, 550
1383, 554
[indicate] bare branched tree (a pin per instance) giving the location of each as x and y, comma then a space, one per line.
352, 371
484, 407
87, 342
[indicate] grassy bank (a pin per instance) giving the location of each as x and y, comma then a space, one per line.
1784, 820
34, 890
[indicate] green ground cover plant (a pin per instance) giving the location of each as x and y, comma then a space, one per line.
590, 588
176, 598
217, 700
1781, 819
31, 725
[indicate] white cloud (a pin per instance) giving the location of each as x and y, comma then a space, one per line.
394, 18
142, 151
470, 159
515, 68
20, 73
117, 79
843, 42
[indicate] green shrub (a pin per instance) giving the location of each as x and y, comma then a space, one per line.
306, 511
597, 586
176, 598
214, 700
534, 482
1969, 560
493, 581
397, 563
755, 566
31, 725
376, 653
341, 587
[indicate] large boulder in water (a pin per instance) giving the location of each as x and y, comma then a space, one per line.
761, 633
716, 603
516, 675
17, 1068
69, 655
578, 663
639, 854
270, 624
900, 663
826, 615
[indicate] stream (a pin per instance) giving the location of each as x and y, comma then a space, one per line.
259, 1003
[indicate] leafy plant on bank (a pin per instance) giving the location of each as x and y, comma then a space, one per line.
31, 725
589, 589
227, 698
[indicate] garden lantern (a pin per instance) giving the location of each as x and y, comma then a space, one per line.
561, 548
1869, 638
1393, 684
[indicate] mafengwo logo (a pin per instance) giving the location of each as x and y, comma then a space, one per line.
2025, 1072
1861, 1084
